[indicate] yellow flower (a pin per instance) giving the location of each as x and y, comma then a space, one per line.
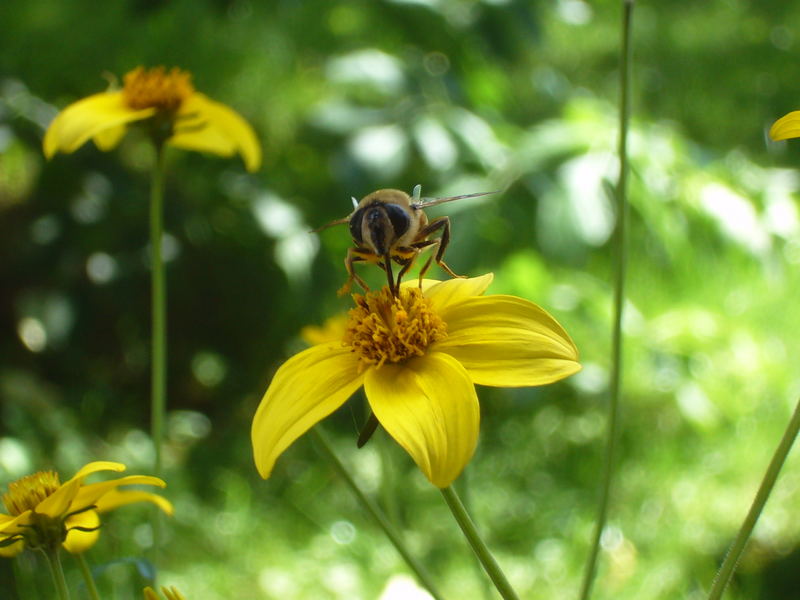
178, 114
418, 357
170, 593
787, 127
44, 513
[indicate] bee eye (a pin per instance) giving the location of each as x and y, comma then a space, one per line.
398, 217
355, 226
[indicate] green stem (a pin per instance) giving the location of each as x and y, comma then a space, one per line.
159, 301
620, 243
376, 513
764, 490
158, 354
463, 489
87, 577
57, 572
478, 545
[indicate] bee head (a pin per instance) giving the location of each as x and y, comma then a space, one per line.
379, 225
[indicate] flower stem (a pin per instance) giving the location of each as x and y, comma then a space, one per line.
158, 301
57, 572
620, 242
478, 545
394, 536
764, 490
158, 354
87, 577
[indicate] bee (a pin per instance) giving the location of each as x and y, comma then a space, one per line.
389, 225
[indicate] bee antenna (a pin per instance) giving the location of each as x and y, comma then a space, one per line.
341, 221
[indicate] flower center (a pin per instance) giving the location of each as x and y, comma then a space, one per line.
157, 88
384, 328
26, 493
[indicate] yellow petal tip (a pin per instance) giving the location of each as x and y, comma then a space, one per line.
787, 127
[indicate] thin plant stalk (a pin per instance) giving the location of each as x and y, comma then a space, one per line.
158, 381
57, 571
158, 353
728, 567
463, 489
479, 547
87, 577
375, 512
620, 243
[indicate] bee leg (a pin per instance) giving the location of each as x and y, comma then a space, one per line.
443, 224
449, 271
355, 255
424, 269
405, 257
387, 266
369, 428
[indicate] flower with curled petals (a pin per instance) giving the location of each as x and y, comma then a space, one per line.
418, 356
166, 101
44, 514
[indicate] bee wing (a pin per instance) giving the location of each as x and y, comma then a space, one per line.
426, 202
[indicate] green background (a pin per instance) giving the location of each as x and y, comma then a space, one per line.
458, 96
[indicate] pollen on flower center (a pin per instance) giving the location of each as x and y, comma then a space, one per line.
384, 328
26, 493
157, 88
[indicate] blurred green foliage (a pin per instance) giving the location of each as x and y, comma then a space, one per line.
460, 96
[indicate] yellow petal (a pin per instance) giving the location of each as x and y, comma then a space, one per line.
452, 291
13, 549
307, 388
93, 493
150, 594
116, 498
429, 406
331, 331
97, 466
108, 139
506, 341
5, 520
786, 127
14, 525
80, 541
88, 118
172, 593
208, 126
57, 504
424, 285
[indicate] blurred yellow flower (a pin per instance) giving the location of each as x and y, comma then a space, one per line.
418, 357
787, 127
170, 593
331, 330
167, 100
44, 513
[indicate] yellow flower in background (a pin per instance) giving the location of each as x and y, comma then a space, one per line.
787, 127
418, 356
179, 115
170, 593
331, 330
44, 513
